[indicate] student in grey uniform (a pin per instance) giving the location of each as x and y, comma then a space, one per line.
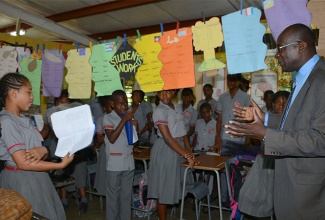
205, 137
140, 114
189, 113
205, 130
21, 148
100, 181
119, 156
78, 168
227, 145
208, 91
47, 131
234, 96
164, 174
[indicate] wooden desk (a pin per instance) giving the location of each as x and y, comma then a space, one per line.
207, 162
143, 155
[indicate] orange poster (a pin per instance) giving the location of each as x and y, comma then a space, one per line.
177, 59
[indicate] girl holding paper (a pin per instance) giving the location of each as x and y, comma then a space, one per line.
20, 147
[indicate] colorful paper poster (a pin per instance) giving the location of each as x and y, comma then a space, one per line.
105, 76
317, 8
31, 68
206, 37
23, 54
52, 72
243, 35
261, 82
79, 73
148, 74
126, 60
177, 59
8, 60
285, 13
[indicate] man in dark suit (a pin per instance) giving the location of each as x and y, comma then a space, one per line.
296, 138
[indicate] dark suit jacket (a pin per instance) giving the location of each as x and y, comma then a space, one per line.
299, 187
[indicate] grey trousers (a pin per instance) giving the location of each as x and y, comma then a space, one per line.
118, 194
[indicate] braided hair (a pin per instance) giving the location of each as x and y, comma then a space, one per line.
10, 81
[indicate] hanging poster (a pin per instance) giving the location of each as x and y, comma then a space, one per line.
105, 76
31, 68
79, 73
148, 74
286, 13
52, 72
8, 60
243, 34
177, 59
126, 60
317, 8
207, 36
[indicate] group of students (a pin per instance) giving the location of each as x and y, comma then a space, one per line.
180, 128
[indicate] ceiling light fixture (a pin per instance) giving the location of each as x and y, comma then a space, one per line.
21, 32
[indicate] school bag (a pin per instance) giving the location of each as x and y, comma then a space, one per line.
237, 175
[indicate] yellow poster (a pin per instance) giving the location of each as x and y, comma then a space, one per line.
148, 74
79, 73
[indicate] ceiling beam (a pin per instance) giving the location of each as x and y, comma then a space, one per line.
46, 24
87, 11
99, 9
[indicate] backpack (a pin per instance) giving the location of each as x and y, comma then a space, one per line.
237, 175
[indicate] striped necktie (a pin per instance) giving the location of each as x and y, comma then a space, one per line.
288, 105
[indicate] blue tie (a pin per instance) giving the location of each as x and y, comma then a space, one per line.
288, 105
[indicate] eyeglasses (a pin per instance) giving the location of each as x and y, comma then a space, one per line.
279, 49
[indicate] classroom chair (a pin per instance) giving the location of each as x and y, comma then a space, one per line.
200, 191
91, 169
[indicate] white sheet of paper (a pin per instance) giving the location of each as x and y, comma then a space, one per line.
74, 128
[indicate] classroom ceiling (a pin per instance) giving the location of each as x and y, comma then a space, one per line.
106, 19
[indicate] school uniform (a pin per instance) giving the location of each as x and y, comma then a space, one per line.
213, 103
54, 139
18, 133
100, 180
164, 174
225, 107
190, 117
206, 134
119, 171
140, 116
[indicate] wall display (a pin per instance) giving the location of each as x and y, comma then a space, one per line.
317, 8
126, 60
262, 81
52, 72
218, 82
103, 73
79, 73
148, 74
207, 36
31, 68
8, 60
177, 58
286, 13
243, 35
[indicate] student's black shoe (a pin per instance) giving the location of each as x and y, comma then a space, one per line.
83, 207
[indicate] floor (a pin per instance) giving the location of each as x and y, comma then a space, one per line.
95, 213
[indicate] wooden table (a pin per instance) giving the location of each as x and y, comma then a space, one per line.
143, 155
207, 162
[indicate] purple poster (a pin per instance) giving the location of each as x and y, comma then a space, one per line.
52, 73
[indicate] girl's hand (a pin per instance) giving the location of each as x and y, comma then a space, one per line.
35, 154
66, 160
193, 161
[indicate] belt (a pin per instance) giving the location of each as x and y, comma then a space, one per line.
12, 168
